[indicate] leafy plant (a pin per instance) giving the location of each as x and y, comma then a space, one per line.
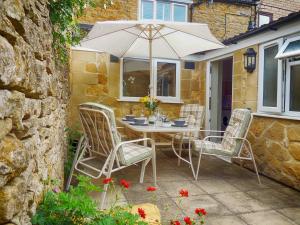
63, 16
73, 136
77, 207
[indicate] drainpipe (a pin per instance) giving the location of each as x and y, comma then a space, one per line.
192, 6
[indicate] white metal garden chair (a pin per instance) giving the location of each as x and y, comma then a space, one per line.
232, 142
194, 113
100, 150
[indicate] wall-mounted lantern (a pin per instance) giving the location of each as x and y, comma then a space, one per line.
250, 60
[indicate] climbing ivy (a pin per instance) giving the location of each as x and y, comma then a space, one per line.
64, 16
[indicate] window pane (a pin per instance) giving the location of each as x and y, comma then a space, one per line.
136, 78
295, 88
293, 46
147, 7
270, 77
163, 11
167, 10
160, 11
166, 79
179, 13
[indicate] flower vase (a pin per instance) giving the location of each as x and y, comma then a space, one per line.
151, 117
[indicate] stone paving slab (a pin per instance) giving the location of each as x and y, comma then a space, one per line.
230, 194
266, 218
225, 220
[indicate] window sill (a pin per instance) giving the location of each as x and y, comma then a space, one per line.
163, 102
260, 114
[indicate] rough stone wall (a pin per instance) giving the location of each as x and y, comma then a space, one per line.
94, 78
120, 10
276, 146
279, 8
32, 109
244, 84
224, 20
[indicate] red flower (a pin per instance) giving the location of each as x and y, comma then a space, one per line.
184, 193
200, 211
107, 180
142, 213
124, 183
151, 188
176, 222
187, 220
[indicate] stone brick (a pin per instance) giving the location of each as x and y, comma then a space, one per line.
13, 159
292, 169
294, 149
7, 61
275, 132
91, 67
293, 133
102, 79
6, 126
12, 199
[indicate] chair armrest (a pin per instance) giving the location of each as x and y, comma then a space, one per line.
238, 138
208, 137
120, 127
212, 131
134, 141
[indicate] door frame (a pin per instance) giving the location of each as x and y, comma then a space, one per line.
208, 86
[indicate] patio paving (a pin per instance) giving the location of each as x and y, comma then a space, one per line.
230, 194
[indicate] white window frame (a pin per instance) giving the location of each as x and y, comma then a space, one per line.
287, 89
164, 99
281, 54
261, 107
172, 11
140, 10
167, 98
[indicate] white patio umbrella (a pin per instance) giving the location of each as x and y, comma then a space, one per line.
150, 39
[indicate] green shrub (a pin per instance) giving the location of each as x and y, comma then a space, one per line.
63, 16
73, 136
76, 207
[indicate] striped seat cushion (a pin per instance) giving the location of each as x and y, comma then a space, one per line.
134, 153
210, 147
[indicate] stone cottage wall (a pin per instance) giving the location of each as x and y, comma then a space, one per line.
120, 10
95, 78
224, 20
32, 109
279, 8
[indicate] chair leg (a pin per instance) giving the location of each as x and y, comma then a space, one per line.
179, 153
111, 160
144, 164
198, 166
74, 163
253, 160
103, 195
154, 168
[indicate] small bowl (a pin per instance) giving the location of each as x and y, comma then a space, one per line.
139, 120
129, 117
179, 122
166, 124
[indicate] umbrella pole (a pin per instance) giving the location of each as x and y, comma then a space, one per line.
151, 63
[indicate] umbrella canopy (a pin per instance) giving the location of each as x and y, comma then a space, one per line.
150, 39
147, 39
